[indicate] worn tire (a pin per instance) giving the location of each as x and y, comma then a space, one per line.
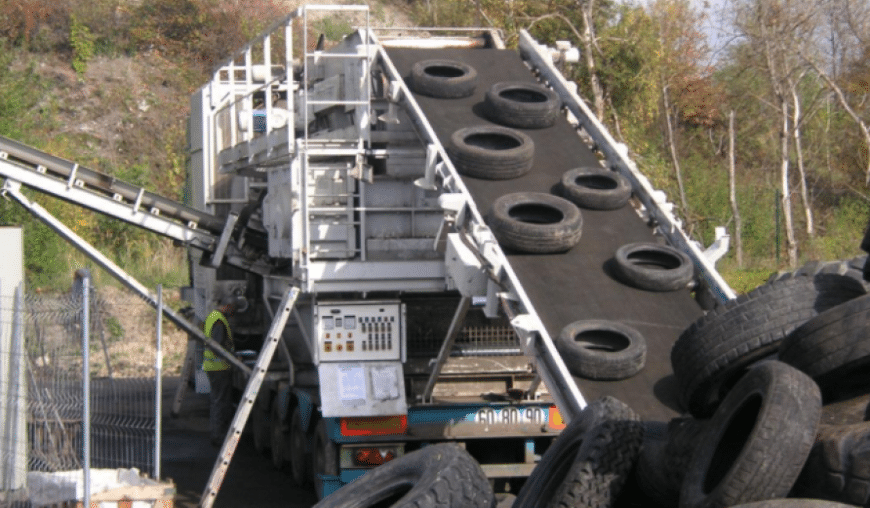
437, 476
557, 461
602, 349
852, 268
300, 454
649, 474
491, 152
653, 267
831, 345
444, 79
535, 222
324, 455
602, 466
757, 441
717, 348
838, 468
521, 104
595, 188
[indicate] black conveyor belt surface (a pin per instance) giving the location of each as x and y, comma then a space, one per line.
578, 284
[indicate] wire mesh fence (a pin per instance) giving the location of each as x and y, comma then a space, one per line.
42, 376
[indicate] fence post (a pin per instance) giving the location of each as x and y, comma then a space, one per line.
158, 382
86, 389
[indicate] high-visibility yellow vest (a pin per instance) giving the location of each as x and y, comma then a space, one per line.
211, 362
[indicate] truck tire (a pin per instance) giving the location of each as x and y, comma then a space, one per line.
279, 438
324, 455
653, 267
260, 427
602, 349
717, 348
437, 476
300, 455
553, 468
832, 345
535, 222
443, 79
757, 441
491, 152
602, 466
595, 188
649, 474
837, 468
521, 104
852, 268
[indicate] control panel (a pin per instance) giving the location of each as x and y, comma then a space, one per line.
351, 331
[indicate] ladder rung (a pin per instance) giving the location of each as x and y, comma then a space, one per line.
337, 103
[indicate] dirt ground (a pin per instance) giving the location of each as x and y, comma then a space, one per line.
188, 459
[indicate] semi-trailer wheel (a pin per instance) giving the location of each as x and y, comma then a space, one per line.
300, 454
437, 476
279, 437
325, 453
260, 427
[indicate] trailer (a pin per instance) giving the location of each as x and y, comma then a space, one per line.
329, 196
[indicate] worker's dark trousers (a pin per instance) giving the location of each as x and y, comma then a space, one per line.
221, 414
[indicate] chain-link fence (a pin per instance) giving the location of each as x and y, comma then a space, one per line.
49, 387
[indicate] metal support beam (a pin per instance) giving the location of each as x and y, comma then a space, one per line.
447, 346
13, 189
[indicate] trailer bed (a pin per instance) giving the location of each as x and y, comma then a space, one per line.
578, 284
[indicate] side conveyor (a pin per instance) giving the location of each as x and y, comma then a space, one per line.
579, 284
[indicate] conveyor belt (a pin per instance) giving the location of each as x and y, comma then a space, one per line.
578, 284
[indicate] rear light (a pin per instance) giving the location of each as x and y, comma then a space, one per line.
374, 426
369, 457
555, 420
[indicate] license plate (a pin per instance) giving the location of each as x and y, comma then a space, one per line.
511, 415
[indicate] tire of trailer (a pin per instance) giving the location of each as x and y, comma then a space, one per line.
324, 454
443, 79
603, 464
535, 222
832, 345
491, 152
260, 427
653, 267
522, 105
757, 441
717, 348
595, 188
278, 438
437, 476
601, 349
300, 455
556, 462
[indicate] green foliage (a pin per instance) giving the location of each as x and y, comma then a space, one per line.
82, 41
116, 331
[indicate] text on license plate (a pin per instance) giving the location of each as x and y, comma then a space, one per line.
511, 415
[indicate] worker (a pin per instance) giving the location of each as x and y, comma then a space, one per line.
220, 377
